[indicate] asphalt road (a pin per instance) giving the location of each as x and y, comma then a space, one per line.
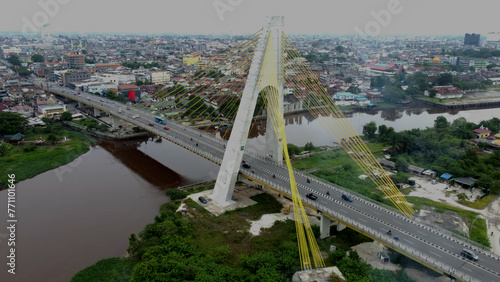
420, 241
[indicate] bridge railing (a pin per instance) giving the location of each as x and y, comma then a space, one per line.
376, 234
395, 212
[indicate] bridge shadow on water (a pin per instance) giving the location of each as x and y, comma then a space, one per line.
144, 166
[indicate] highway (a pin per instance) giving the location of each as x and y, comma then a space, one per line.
423, 242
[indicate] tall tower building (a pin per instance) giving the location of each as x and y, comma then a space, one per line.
472, 39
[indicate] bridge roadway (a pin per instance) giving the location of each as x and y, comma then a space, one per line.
423, 242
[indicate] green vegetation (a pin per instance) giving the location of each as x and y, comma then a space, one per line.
136, 65
112, 269
478, 231
201, 247
37, 58
29, 160
12, 123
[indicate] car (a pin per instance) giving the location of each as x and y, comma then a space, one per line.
202, 200
311, 196
101, 100
466, 253
346, 198
151, 124
245, 165
166, 128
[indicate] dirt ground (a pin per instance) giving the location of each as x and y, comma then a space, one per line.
441, 192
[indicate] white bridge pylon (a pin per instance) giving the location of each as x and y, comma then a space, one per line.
229, 169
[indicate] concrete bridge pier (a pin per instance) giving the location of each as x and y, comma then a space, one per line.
325, 226
116, 122
80, 104
97, 112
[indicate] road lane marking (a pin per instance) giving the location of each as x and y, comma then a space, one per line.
434, 253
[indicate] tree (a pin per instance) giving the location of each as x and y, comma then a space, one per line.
14, 60
370, 129
353, 90
348, 79
52, 139
5, 148
293, 149
37, 58
432, 92
380, 81
441, 123
24, 71
11, 123
394, 94
66, 116
309, 146
340, 49
444, 79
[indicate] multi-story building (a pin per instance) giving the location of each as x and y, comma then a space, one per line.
8, 51
130, 91
69, 79
159, 77
472, 39
75, 60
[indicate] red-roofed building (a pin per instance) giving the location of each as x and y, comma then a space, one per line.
447, 92
481, 133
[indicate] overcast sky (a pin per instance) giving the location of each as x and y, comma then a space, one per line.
417, 17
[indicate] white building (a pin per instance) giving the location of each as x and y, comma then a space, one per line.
98, 87
117, 78
159, 77
10, 50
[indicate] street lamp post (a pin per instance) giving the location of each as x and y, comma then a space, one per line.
472, 223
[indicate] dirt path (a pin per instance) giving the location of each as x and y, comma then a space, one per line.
440, 192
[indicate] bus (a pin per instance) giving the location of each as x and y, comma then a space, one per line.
160, 120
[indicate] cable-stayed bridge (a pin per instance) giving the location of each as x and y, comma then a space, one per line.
252, 77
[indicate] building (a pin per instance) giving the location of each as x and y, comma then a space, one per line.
481, 133
191, 60
70, 79
116, 78
447, 92
75, 60
8, 51
51, 110
472, 39
96, 87
159, 77
130, 91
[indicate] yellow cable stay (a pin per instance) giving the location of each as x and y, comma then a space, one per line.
268, 81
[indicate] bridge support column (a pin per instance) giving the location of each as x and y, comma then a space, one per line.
80, 104
115, 122
325, 227
340, 226
97, 112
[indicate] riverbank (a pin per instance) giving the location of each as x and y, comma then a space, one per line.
28, 160
487, 99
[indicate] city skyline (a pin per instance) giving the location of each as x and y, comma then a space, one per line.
408, 17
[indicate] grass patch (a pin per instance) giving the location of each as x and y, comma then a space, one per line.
231, 228
479, 204
111, 269
478, 231
26, 165
201, 187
